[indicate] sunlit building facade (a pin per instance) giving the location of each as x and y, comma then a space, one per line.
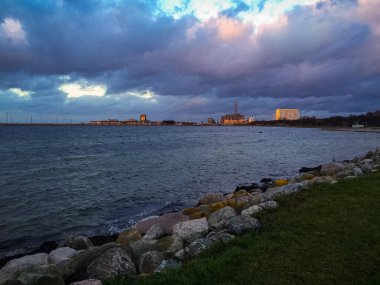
287, 114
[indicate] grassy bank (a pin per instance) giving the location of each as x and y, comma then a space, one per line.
330, 235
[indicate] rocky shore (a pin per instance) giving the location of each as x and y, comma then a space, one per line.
157, 243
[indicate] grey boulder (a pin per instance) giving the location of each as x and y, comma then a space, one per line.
332, 168
149, 261
168, 264
78, 243
191, 230
168, 245
221, 214
155, 232
111, 263
240, 224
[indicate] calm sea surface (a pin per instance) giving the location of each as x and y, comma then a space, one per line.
57, 181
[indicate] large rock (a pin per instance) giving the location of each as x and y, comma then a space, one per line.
129, 236
357, 171
242, 200
253, 210
111, 263
168, 245
211, 199
321, 179
78, 243
366, 167
166, 221
222, 237
285, 190
240, 224
76, 269
88, 282
168, 264
269, 205
155, 232
220, 215
14, 267
61, 256
198, 212
149, 261
191, 230
43, 275
331, 169
198, 246
140, 247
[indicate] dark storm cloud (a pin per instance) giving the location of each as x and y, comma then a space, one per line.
322, 58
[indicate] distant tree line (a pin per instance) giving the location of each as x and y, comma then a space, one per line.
370, 119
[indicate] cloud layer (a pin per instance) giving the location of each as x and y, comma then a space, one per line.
189, 59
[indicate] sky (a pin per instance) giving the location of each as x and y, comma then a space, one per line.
187, 60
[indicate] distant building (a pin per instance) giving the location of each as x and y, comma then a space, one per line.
250, 120
233, 119
287, 114
130, 122
143, 118
211, 121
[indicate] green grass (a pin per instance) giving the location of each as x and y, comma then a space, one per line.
327, 235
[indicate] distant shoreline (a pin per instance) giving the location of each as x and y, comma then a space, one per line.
324, 128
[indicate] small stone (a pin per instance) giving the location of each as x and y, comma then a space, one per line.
181, 254
149, 261
155, 232
168, 264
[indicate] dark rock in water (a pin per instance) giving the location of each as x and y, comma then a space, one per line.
100, 240
246, 187
78, 243
310, 169
266, 183
266, 180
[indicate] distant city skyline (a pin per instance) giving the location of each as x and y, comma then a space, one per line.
76, 61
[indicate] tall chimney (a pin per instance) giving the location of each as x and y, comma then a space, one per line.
236, 106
